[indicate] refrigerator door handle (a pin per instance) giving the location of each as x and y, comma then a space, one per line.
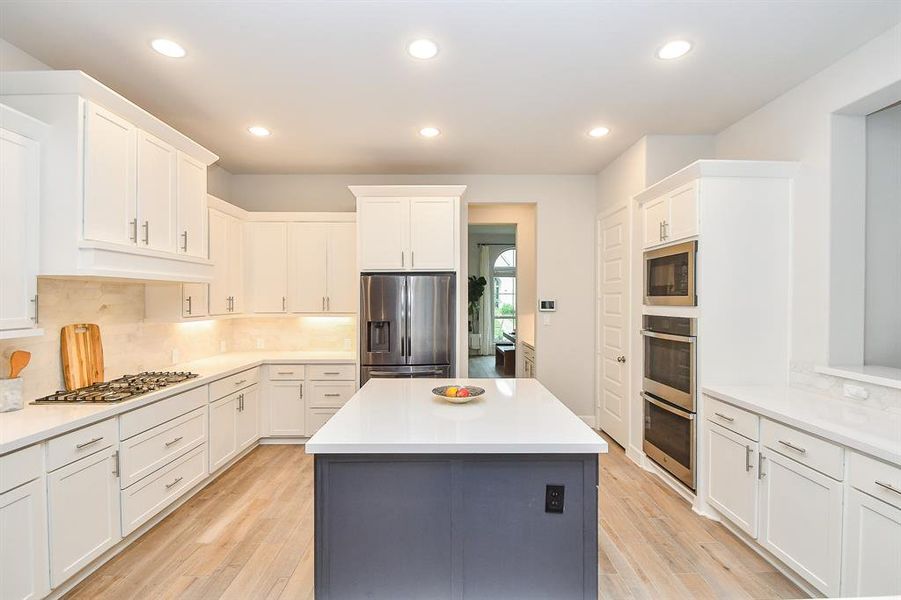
402, 346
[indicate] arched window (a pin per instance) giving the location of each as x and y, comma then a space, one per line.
503, 285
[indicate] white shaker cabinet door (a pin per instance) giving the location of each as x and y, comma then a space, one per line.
872, 556
110, 203
191, 212
683, 213
83, 500
732, 477
248, 425
235, 264
384, 230
19, 198
342, 276
307, 265
223, 431
219, 288
23, 543
286, 408
194, 299
801, 520
156, 193
433, 227
267, 275
654, 214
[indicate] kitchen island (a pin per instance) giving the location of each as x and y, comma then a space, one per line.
420, 498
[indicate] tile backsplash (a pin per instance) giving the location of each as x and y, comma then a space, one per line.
131, 345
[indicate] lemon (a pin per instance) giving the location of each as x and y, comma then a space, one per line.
451, 392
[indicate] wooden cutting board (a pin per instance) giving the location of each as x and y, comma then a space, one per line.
82, 355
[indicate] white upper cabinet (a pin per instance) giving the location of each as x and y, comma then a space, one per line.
433, 227
110, 185
191, 215
267, 261
342, 281
384, 233
227, 253
671, 217
156, 193
235, 263
19, 200
307, 267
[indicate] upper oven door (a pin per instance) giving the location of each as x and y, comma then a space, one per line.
669, 367
669, 275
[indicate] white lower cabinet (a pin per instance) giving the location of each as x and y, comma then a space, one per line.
801, 520
286, 408
732, 477
234, 425
317, 417
247, 427
83, 512
23, 543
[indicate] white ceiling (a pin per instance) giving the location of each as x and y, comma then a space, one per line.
514, 88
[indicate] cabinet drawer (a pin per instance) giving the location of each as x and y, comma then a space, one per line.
146, 418
316, 418
282, 372
337, 372
83, 442
233, 383
20, 467
528, 353
329, 394
145, 453
152, 494
736, 419
875, 478
820, 455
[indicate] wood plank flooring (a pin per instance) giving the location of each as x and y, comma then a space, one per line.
249, 535
483, 366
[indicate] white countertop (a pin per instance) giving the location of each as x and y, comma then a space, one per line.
871, 431
401, 416
35, 424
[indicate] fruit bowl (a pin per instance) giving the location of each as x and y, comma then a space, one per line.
458, 394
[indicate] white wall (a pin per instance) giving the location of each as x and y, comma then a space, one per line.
799, 126
882, 337
12, 58
219, 182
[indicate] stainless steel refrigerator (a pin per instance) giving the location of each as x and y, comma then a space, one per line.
407, 325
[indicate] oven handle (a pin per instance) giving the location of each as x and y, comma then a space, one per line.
676, 411
669, 336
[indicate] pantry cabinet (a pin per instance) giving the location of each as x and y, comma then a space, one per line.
191, 215
322, 274
226, 295
670, 217
267, 261
19, 228
23, 545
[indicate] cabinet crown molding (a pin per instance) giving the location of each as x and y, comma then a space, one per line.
389, 191
767, 169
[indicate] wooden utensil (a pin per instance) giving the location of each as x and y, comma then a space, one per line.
81, 352
18, 361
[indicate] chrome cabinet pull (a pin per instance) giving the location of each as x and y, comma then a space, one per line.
328, 303
323, 304
175, 441
190, 308
722, 416
116, 463
146, 227
36, 317
240, 382
242, 402
331, 372
888, 486
284, 302
760, 473
748, 452
665, 234
660, 230
301, 391
88, 443
133, 224
793, 447
184, 246
174, 483
332, 395
412, 259
285, 372
401, 258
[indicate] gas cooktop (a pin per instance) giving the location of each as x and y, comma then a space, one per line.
117, 390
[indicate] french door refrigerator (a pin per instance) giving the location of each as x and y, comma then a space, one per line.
406, 325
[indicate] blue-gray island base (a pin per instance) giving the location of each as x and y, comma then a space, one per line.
455, 526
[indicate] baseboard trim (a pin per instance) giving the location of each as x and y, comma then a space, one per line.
283, 441
635, 455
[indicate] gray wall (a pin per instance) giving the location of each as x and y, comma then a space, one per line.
14, 59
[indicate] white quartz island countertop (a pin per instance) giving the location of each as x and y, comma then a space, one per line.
402, 416
36, 423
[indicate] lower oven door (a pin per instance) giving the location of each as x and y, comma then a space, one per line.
669, 438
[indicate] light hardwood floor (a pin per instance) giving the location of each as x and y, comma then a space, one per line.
249, 535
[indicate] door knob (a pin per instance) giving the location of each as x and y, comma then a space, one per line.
620, 359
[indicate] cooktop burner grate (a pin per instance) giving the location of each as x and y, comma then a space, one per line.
117, 390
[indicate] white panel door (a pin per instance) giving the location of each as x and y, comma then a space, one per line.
24, 571
286, 408
683, 213
732, 477
267, 267
307, 267
19, 201
219, 288
156, 193
191, 207
612, 394
223, 431
343, 279
248, 423
235, 264
384, 231
195, 299
83, 499
801, 520
654, 213
433, 227
109, 177
872, 557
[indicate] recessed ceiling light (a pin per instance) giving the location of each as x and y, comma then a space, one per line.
259, 131
674, 49
597, 132
424, 49
429, 132
168, 48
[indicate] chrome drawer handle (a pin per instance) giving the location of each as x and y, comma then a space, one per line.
888, 486
175, 441
88, 443
332, 395
240, 382
793, 447
331, 373
722, 416
174, 483
286, 372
